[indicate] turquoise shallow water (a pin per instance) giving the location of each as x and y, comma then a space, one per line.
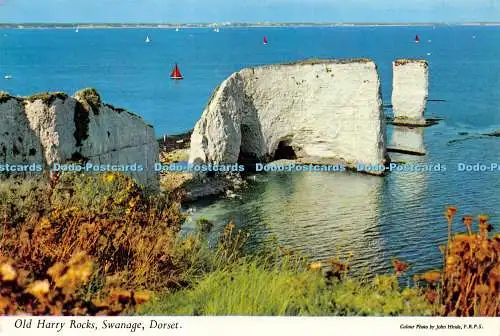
321, 215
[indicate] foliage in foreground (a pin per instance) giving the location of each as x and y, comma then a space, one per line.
129, 238
260, 286
281, 282
90, 244
253, 288
58, 293
471, 268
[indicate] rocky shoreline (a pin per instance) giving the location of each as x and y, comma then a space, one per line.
194, 186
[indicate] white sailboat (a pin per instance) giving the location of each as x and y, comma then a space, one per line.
77, 29
148, 40
216, 29
177, 29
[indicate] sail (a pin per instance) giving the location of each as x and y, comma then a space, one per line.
265, 40
176, 73
417, 38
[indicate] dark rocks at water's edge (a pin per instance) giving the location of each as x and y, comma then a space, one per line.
169, 143
399, 121
227, 184
219, 185
408, 151
195, 186
474, 136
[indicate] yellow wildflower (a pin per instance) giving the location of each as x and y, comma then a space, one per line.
109, 177
45, 223
38, 288
315, 266
8, 272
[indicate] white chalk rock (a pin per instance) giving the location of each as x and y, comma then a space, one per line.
19, 143
322, 109
410, 90
55, 128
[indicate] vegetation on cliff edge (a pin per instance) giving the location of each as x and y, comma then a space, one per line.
89, 244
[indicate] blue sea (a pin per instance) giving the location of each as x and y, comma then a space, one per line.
367, 219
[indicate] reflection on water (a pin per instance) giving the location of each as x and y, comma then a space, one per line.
407, 216
408, 138
323, 215
376, 218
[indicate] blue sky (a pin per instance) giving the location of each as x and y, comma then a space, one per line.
249, 10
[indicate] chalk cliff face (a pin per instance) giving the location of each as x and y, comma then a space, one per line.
410, 89
56, 128
322, 109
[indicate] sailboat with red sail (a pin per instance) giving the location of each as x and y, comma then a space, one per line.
417, 39
176, 73
265, 40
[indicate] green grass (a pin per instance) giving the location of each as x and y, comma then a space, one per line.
255, 287
245, 289
47, 97
91, 99
379, 297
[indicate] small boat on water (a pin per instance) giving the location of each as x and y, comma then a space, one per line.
265, 40
417, 39
8, 77
148, 40
216, 30
77, 29
177, 29
176, 73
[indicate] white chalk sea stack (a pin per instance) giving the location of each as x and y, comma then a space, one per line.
410, 89
323, 109
56, 128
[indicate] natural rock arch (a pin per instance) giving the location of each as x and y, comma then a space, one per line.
321, 109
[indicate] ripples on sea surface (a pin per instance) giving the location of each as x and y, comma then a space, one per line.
320, 214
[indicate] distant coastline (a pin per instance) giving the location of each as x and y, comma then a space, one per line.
229, 25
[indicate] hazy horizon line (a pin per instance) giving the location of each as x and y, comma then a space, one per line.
250, 22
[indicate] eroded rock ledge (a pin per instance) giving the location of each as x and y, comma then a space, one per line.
52, 128
320, 109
